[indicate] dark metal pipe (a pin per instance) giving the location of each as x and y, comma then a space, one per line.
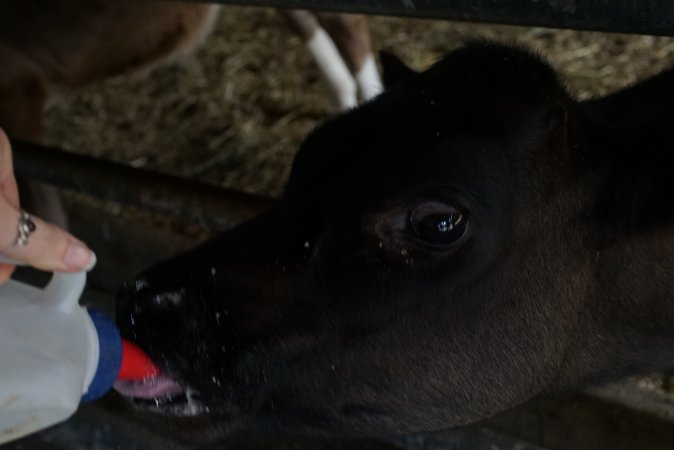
625, 16
208, 205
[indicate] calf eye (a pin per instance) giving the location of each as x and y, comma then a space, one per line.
437, 223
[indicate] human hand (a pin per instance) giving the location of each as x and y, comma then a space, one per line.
49, 247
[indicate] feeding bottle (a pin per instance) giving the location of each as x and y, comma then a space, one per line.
55, 354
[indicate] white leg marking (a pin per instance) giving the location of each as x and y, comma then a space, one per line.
369, 80
333, 68
189, 49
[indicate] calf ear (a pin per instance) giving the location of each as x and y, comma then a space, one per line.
395, 72
638, 190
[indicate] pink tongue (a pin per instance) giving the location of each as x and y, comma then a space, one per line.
159, 386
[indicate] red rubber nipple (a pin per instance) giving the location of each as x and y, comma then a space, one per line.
136, 365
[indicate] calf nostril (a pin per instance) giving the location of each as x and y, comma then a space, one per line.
131, 288
139, 284
169, 298
138, 295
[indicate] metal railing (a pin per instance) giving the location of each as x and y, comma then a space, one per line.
205, 204
626, 16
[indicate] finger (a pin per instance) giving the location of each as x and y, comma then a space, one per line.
5, 155
6, 271
48, 248
7, 180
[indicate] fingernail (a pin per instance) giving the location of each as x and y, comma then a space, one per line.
78, 256
92, 261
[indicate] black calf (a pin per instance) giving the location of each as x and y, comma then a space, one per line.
472, 238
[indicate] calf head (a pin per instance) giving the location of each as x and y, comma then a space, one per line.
447, 251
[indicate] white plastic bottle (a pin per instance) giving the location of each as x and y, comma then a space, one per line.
53, 354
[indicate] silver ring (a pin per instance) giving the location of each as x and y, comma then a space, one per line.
26, 228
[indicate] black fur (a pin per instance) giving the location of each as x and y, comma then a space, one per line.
329, 314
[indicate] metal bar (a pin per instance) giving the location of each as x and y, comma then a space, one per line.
208, 205
625, 16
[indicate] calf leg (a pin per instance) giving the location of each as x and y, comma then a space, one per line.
350, 34
326, 54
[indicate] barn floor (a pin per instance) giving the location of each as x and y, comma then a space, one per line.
235, 113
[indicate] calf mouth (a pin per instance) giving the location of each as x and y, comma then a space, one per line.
165, 393
161, 394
